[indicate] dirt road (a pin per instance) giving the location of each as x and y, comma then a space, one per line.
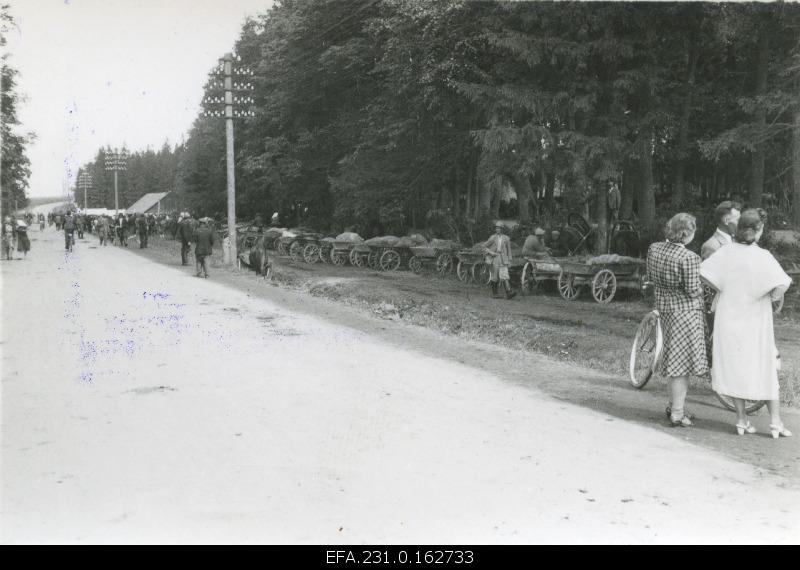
141, 404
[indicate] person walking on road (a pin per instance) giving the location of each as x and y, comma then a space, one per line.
141, 227
498, 249
102, 230
23, 243
745, 357
204, 241
675, 272
8, 237
185, 232
69, 231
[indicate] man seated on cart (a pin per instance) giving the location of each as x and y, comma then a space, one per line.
498, 251
535, 245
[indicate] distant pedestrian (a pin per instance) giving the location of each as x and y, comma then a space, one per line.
41, 222
204, 240
69, 231
185, 232
8, 237
498, 249
141, 228
80, 224
23, 243
102, 230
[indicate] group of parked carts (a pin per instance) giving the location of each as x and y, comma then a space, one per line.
571, 272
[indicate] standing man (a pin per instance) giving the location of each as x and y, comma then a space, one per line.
102, 229
79, 225
69, 231
185, 232
141, 227
204, 241
727, 217
498, 249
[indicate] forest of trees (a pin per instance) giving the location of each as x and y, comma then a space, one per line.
15, 166
387, 115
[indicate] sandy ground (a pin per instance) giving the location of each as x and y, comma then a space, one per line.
142, 404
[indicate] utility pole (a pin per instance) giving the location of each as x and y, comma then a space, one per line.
116, 160
230, 86
84, 182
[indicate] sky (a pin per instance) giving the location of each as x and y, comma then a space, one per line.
98, 73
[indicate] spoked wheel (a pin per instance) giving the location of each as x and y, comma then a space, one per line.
646, 352
357, 259
567, 287
325, 255
527, 282
444, 263
604, 286
311, 253
390, 260
463, 272
415, 264
338, 257
373, 259
750, 406
482, 273
295, 251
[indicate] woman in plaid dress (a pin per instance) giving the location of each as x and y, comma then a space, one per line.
675, 272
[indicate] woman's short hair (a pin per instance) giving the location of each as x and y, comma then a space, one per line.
750, 224
679, 227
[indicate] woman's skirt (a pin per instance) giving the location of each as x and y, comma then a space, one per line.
23, 243
684, 344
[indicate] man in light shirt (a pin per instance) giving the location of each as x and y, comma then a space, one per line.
727, 216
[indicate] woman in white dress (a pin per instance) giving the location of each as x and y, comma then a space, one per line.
747, 279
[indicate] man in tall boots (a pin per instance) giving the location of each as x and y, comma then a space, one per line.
498, 252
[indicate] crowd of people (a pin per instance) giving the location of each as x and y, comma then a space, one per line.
745, 279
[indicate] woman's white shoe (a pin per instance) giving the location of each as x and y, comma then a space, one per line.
746, 428
779, 430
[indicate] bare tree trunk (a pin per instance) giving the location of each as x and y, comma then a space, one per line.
796, 169
757, 167
601, 217
523, 188
628, 191
646, 201
683, 134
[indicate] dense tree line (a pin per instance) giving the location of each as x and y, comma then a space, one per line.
15, 167
387, 115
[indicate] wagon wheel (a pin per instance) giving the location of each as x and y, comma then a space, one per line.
444, 263
295, 251
325, 254
527, 282
415, 264
338, 258
355, 258
311, 253
462, 272
373, 258
567, 287
604, 286
390, 260
482, 273
360, 260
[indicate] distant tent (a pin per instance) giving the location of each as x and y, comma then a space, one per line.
151, 203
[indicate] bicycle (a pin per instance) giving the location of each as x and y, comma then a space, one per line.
646, 354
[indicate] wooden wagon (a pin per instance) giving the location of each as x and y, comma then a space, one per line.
440, 257
603, 279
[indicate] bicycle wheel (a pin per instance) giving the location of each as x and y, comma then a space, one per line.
750, 406
646, 352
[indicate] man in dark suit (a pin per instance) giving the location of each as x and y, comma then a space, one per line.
204, 241
727, 217
185, 232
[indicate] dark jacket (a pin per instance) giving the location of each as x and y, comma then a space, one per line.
204, 240
185, 231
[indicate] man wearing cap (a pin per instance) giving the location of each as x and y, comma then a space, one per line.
69, 231
727, 217
498, 251
204, 241
185, 232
